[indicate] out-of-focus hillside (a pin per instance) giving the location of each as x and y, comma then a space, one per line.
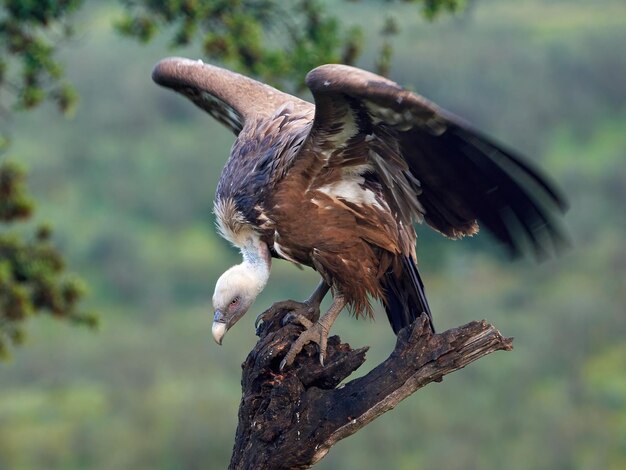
129, 182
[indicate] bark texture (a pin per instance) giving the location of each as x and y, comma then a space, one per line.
291, 419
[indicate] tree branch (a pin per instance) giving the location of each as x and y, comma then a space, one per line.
290, 420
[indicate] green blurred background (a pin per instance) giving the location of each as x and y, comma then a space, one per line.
129, 183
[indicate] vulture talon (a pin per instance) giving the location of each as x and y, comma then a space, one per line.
276, 308
317, 334
308, 310
295, 317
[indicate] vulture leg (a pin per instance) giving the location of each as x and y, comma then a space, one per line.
316, 333
301, 312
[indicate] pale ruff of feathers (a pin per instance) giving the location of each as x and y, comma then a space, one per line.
231, 223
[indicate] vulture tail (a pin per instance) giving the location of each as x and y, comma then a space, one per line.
405, 297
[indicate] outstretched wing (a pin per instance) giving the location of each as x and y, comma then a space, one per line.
431, 162
229, 97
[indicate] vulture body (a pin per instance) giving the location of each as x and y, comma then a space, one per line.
338, 185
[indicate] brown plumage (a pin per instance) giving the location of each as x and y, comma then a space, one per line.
338, 185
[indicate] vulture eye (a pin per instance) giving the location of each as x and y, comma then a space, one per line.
234, 302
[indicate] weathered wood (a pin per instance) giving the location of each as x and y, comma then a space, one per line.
291, 419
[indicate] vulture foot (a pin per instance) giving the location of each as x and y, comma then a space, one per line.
305, 313
300, 312
316, 333
295, 317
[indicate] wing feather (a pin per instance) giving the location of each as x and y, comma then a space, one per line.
463, 175
229, 97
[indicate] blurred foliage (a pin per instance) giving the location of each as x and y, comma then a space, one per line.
32, 276
30, 31
129, 185
276, 41
14, 202
31, 270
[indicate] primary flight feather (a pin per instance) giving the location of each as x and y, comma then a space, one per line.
338, 185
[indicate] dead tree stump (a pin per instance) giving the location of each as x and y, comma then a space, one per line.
291, 419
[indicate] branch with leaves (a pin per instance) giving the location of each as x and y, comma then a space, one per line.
275, 41
29, 72
32, 277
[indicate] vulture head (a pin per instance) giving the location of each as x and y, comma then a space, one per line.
237, 289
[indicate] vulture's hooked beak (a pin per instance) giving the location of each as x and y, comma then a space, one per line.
219, 327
